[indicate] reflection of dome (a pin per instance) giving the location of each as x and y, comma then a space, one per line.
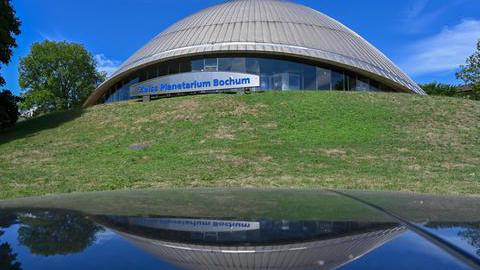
319, 245
325, 254
266, 28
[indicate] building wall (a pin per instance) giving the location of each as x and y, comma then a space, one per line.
276, 74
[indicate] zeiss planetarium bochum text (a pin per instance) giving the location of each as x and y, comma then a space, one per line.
261, 45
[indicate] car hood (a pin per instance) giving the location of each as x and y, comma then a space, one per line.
240, 229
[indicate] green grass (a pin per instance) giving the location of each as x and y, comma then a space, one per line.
370, 141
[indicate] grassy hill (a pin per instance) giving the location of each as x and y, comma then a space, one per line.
373, 141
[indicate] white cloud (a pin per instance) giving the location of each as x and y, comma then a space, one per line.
107, 65
104, 236
445, 51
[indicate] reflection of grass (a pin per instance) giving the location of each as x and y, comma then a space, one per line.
218, 203
426, 208
294, 204
374, 141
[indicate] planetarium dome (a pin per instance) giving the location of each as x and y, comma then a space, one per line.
269, 38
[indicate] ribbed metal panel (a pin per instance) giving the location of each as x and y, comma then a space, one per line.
275, 26
323, 254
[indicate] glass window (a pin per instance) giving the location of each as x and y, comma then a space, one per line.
120, 91
239, 64
225, 64
198, 65
292, 67
266, 82
143, 75
280, 66
293, 82
111, 96
277, 82
211, 64
253, 67
173, 68
338, 80
323, 79
309, 78
362, 84
267, 66
185, 66
385, 88
351, 81
374, 85
152, 72
275, 74
162, 69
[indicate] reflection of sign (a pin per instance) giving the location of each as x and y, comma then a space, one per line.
195, 225
194, 82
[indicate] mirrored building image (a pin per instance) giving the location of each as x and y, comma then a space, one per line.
255, 244
273, 45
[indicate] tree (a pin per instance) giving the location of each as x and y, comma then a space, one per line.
439, 89
8, 109
57, 76
40, 102
55, 233
8, 259
9, 28
472, 236
7, 219
470, 232
470, 72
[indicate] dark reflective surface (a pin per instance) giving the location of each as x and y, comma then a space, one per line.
238, 232
465, 236
263, 234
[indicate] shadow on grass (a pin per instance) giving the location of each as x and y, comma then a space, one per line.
27, 128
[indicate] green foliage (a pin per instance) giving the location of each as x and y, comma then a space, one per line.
8, 109
57, 76
54, 233
9, 28
470, 73
8, 259
440, 89
40, 102
474, 94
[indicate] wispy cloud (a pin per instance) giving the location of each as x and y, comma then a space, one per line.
104, 236
415, 8
445, 51
421, 14
52, 36
107, 65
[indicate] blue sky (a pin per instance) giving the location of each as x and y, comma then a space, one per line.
428, 39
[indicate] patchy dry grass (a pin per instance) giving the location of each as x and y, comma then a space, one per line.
370, 141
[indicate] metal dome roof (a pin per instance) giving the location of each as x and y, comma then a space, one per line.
272, 27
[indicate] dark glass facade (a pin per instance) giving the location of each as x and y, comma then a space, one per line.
275, 75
